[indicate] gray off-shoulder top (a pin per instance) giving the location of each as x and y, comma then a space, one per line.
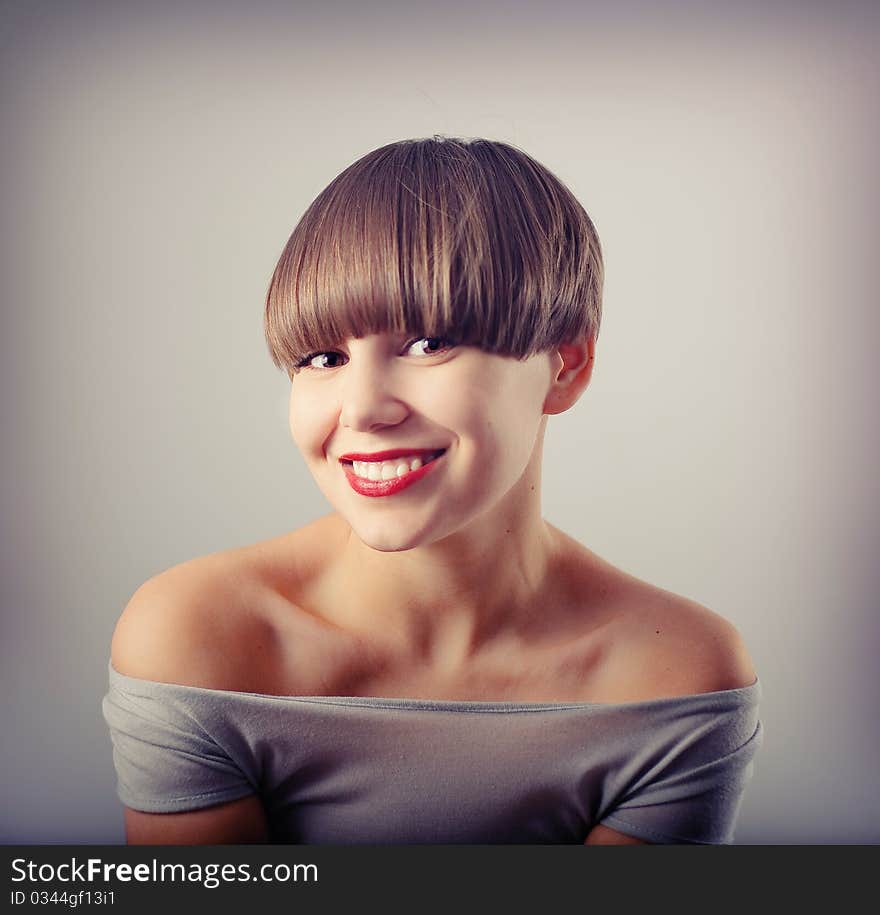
368, 770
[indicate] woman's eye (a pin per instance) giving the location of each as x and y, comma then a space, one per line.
436, 345
422, 346
308, 362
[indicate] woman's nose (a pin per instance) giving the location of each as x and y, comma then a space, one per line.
368, 397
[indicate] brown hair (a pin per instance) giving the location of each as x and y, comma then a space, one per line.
472, 240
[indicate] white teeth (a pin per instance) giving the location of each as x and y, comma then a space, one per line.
386, 470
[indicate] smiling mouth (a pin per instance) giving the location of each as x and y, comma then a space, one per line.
378, 471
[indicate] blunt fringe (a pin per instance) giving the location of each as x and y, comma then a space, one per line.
468, 239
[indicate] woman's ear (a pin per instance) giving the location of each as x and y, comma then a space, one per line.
572, 368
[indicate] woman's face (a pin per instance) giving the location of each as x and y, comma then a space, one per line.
388, 391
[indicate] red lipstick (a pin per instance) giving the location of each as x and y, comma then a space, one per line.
395, 484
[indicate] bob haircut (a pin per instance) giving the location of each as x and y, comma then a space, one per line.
470, 240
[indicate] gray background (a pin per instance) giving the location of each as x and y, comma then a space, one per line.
156, 157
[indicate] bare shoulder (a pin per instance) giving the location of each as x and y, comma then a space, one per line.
650, 642
228, 620
200, 623
675, 646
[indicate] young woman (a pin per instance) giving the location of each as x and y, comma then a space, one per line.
433, 661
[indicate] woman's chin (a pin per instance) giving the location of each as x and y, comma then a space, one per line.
388, 536
388, 541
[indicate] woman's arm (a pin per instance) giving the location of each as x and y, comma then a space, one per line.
175, 629
241, 822
702, 653
603, 835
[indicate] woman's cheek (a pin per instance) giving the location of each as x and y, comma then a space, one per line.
305, 425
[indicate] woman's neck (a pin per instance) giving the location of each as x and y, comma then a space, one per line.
446, 601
